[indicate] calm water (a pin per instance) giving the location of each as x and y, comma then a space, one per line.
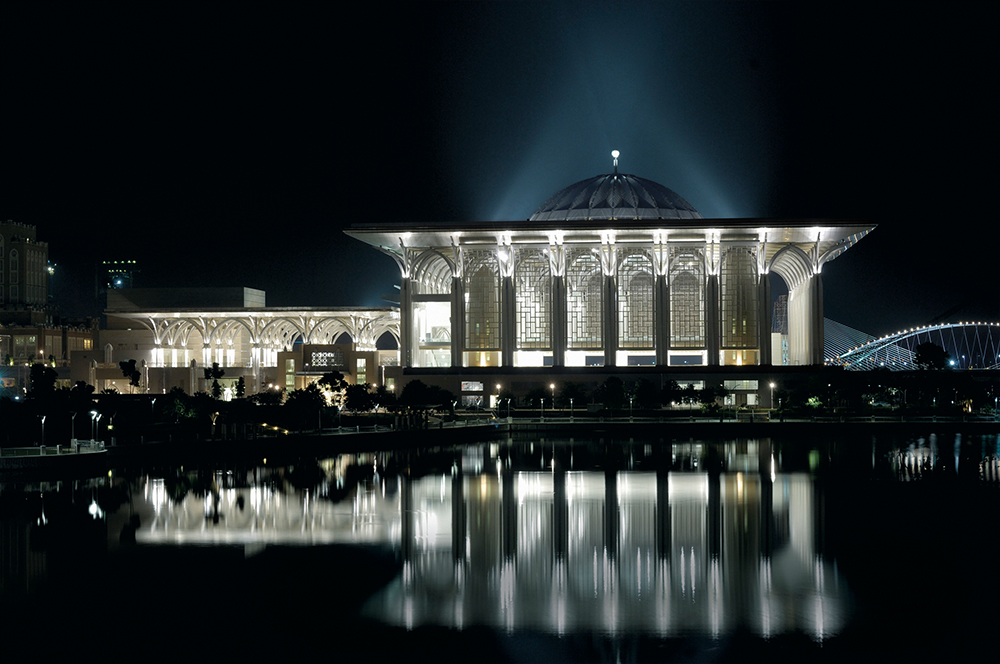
519, 550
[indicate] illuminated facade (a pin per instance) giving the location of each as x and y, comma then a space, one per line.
612, 271
287, 347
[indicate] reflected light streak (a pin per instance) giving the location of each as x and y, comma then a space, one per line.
520, 576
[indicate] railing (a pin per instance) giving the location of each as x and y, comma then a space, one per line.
75, 447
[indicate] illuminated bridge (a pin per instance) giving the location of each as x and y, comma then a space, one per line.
970, 345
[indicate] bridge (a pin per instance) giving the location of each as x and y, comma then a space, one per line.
971, 345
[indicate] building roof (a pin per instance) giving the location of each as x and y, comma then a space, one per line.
615, 196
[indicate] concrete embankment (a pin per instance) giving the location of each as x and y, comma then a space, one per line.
278, 449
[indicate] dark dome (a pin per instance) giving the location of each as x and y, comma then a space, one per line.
615, 196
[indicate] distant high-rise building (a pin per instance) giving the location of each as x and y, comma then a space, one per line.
113, 275
24, 276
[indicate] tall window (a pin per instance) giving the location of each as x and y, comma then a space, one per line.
635, 300
584, 279
533, 288
687, 297
14, 266
482, 301
738, 302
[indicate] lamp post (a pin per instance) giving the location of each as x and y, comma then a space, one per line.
541, 406
771, 404
631, 399
508, 409
72, 426
42, 418
552, 386
94, 418
571, 409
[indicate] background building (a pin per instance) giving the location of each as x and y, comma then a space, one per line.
24, 276
175, 333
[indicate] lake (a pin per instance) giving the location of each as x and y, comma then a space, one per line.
825, 548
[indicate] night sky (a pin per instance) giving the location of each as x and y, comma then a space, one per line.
231, 145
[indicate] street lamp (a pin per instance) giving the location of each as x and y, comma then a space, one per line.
552, 386
771, 404
571, 409
541, 405
94, 419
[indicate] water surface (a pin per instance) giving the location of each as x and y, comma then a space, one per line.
522, 549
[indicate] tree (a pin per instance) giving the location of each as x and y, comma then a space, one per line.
335, 383
358, 398
214, 374
570, 390
670, 393
241, 387
611, 393
931, 356
42, 380
385, 398
303, 403
420, 397
689, 395
708, 397
647, 395
129, 371
270, 397
177, 404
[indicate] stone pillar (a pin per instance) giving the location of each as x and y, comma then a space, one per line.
457, 321
559, 321
609, 314
764, 319
405, 323
816, 319
661, 326
508, 321
712, 338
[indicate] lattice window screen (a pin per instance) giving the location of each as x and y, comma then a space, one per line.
687, 298
533, 289
635, 299
738, 305
482, 307
584, 279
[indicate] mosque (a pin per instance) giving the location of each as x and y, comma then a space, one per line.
614, 271
613, 275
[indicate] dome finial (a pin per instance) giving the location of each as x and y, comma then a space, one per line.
614, 155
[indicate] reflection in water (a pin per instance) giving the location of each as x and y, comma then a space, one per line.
665, 538
549, 535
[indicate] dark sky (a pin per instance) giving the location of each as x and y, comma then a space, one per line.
229, 146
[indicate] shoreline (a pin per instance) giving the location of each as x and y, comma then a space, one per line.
292, 446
